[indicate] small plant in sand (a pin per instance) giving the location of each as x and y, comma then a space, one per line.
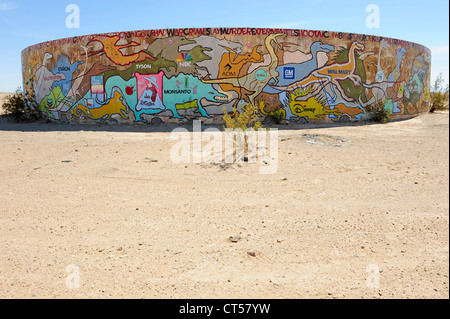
439, 95
240, 123
245, 120
22, 107
380, 112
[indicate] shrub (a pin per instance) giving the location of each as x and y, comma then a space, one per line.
439, 95
239, 123
380, 112
22, 107
277, 116
245, 120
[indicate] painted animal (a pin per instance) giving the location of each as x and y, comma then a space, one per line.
300, 70
114, 106
213, 48
71, 96
311, 108
258, 78
81, 84
232, 62
333, 73
76, 83
380, 77
45, 79
380, 86
113, 50
28, 71
349, 110
231, 65
380, 89
396, 73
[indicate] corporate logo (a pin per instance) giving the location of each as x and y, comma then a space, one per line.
63, 69
143, 66
261, 75
227, 71
185, 59
289, 73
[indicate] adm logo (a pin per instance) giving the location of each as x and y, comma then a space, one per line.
289, 73
185, 60
227, 71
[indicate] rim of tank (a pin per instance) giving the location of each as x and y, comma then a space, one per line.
51, 43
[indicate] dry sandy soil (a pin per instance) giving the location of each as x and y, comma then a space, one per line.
106, 206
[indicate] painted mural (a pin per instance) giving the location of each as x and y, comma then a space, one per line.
176, 74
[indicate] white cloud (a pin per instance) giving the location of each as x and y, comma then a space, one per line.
7, 7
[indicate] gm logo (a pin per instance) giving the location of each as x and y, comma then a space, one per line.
289, 73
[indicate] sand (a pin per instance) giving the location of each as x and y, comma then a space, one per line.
358, 211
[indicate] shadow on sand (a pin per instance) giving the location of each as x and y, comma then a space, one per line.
48, 126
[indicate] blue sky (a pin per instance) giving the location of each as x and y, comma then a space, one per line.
26, 22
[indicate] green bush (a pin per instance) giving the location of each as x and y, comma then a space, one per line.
439, 95
21, 107
277, 116
248, 119
242, 123
380, 112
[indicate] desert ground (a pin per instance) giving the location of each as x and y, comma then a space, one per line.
354, 211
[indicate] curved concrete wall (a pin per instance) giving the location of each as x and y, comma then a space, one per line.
300, 75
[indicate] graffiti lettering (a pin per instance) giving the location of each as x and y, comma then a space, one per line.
140, 34
177, 91
146, 103
187, 72
334, 71
53, 78
228, 74
162, 33
143, 66
311, 34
